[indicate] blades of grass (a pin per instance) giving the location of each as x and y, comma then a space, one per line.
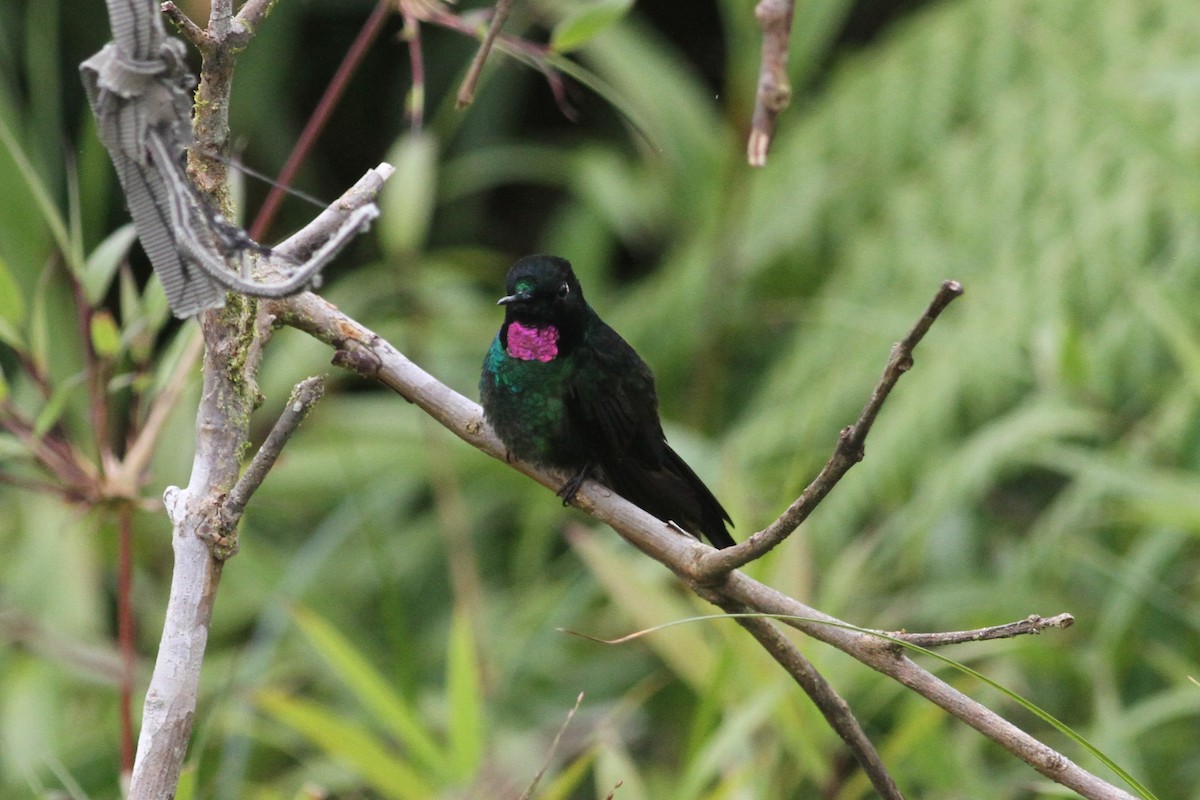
566, 783
647, 599
101, 265
572, 69
351, 744
1045, 716
374, 693
41, 195
43, 29
528, 793
186, 789
731, 738
1177, 332
586, 22
617, 774
12, 308
57, 404
74, 214
464, 696
1028, 705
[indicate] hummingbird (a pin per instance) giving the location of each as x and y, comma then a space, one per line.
562, 389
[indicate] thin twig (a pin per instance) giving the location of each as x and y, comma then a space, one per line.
849, 451
305, 395
831, 705
191, 31
531, 53
528, 793
774, 91
1030, 626
125, 631
254, 12
466, 92
415, 107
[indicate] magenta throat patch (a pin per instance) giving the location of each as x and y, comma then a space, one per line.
532, 344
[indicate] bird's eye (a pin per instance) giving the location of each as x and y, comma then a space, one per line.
563, 291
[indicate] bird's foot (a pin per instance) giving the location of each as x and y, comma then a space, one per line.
571, 487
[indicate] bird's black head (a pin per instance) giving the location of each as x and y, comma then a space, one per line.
543, 290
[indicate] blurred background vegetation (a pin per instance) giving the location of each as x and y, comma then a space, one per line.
391, 625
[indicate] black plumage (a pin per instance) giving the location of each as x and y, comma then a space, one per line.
563, 389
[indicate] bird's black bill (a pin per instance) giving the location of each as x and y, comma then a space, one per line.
513, 298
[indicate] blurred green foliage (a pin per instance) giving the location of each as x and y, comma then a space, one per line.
390, 627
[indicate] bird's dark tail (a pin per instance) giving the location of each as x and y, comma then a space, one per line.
672, 492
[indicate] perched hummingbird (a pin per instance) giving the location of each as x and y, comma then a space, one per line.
562, 389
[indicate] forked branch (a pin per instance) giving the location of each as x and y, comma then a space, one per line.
358, 348
849, 451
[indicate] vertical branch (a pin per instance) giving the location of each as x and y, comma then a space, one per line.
466, 92
233, 338
774, 90
233, 341
415, 107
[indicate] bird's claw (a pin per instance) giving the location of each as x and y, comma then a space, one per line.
571, 487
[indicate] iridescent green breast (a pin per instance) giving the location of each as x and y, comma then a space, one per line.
525, 401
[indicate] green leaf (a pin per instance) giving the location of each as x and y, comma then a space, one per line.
588, 21
41, 194
53, 410
465, 698
647, 598
374, 693
101, 265
186, 788
11, 335
106, 336
155, 306
407, 199
349, 743
12, 302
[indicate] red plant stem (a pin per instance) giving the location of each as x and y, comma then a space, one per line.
125, 639
416, 105
316, 123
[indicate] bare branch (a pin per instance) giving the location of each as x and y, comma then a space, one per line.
360, 349
885, 657
466, 92
254, 12
528, 793
305, 395
849, 451
191, 31
414, 106
774, 91
1030, 626
837, 713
